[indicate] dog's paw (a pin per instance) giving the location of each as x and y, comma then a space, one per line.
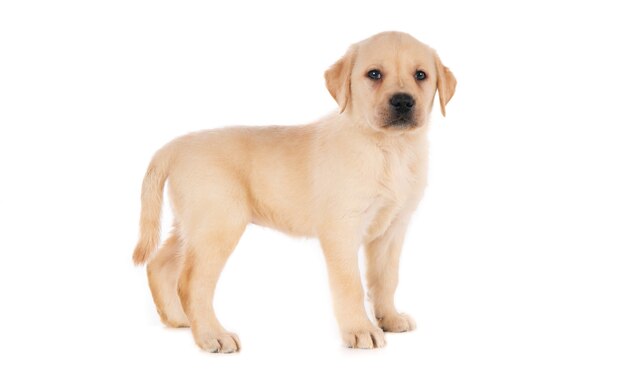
219, 342
365, 338
397, 323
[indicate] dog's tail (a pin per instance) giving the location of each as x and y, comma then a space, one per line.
151, 202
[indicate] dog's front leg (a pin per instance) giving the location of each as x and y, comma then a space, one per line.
382, 259
340, 247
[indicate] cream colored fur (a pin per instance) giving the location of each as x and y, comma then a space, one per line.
348, 179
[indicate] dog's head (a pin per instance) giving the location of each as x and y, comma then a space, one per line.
389, 81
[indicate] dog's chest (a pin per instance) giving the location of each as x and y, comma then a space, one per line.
398, 187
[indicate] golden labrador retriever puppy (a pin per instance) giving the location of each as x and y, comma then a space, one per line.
352, 178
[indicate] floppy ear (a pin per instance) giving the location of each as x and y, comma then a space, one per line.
338, 78
446, 84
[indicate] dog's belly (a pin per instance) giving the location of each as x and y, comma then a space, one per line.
293, 225
283, 211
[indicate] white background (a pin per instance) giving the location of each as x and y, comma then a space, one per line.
514, 266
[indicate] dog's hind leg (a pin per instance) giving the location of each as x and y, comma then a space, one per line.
163, 272
210, 238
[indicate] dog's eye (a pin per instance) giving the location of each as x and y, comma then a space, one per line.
374, 74
420, 75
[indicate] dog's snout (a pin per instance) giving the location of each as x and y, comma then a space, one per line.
402, 102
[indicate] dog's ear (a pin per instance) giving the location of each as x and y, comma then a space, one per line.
338, 78
446, 84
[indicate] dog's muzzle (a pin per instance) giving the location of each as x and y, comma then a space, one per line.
401, 112
402, 103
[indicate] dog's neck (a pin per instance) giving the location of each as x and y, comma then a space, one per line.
384, 139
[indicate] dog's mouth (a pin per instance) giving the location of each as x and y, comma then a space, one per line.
401, 122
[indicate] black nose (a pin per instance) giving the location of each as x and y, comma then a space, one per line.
402, 102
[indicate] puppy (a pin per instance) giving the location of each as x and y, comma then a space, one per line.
352, 178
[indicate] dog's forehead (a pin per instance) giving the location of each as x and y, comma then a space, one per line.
393, 47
